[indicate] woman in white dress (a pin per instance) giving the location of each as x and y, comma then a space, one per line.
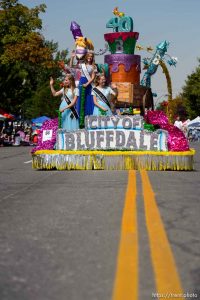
69, 93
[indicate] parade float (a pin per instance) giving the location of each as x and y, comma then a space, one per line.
123, 141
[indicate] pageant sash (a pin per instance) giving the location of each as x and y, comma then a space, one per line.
101, 96
74, 113
86, 73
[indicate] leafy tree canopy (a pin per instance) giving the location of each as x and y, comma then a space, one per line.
20, 39
191, 93
26, 58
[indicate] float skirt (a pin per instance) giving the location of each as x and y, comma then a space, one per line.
113, 160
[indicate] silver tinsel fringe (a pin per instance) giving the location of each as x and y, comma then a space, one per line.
112, 162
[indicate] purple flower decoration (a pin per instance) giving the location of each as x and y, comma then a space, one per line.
48, 144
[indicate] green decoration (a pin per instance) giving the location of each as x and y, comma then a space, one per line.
149, 127
103, 112
103, 68
59, 119
129, 46
112, 47
130, 110
82, 110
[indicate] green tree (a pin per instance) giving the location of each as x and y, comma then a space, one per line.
26, 58
42, 102
173, 108
191, 93
178, 108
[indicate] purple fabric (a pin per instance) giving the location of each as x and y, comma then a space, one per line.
126, 59
47, 145
81, 51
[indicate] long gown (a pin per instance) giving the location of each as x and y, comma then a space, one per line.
89, 103
69, 123
106, 91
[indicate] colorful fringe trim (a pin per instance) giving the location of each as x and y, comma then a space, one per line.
113, 160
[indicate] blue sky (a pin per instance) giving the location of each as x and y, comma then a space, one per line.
176, 21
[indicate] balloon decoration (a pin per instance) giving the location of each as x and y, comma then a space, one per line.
76, 30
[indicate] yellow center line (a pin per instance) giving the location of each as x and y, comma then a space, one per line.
166, 275
126, 279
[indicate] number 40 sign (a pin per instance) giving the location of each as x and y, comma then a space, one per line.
124, 24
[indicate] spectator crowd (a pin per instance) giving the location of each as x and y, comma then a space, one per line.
12, 134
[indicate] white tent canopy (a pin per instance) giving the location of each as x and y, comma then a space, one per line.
194, 123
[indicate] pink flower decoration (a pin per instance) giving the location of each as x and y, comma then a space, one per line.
176, 138
156, 117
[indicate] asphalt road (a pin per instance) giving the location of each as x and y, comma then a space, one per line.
60, 231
